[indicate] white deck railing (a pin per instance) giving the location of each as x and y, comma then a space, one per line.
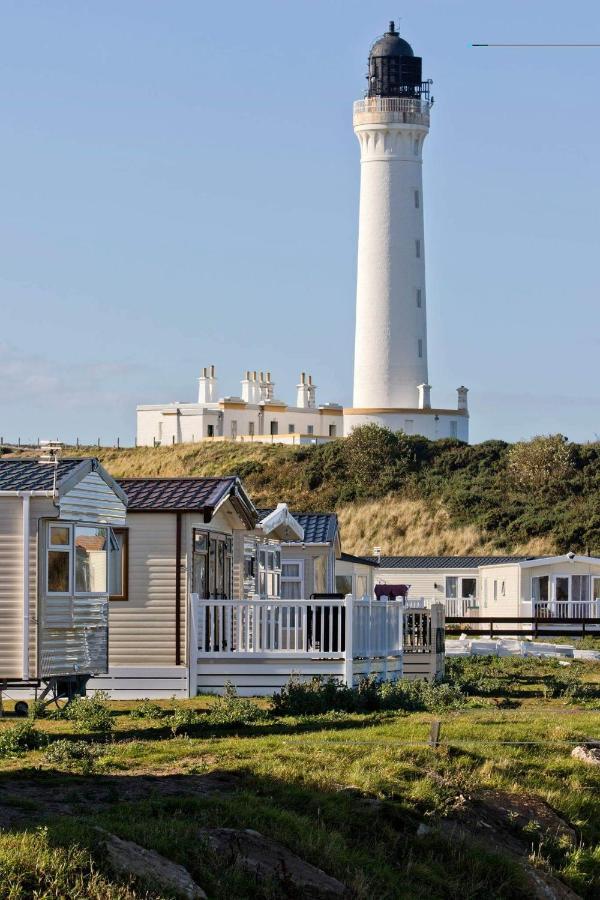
318, 628
566, 609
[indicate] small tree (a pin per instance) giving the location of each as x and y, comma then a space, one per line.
543, 464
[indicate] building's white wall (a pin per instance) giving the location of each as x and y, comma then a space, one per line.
554, 569
427, 583
501, 599
389, 324
188, 423
434, 424
354, 569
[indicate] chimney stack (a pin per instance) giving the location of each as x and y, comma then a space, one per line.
424, 396
250, 388
207, 385
462, 398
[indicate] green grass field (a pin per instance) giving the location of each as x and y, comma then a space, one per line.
348, 792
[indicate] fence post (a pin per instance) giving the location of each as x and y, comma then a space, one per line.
434, 734
193, 646
349, 646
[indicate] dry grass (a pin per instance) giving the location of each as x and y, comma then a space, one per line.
412, 527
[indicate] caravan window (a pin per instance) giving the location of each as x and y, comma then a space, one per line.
91, 546
292, 579
118, 566
77, 559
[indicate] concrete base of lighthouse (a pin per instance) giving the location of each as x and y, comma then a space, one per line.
430, 423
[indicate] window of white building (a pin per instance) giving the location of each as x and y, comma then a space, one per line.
457, 586
292, 579
310, 429
420, 348
332, 431
274, 427
419, 298
453, 428
291, 429
269, 573
417, 199
234, 428
418, 248
251, 429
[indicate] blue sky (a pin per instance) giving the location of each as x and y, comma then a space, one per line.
179, 186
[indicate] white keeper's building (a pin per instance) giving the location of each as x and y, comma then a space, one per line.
391, 385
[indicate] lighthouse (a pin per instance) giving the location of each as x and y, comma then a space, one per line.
391, 383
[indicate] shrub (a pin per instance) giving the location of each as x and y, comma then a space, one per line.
231, 709
90, 714
318, 696
147, 710
181, 719
19, 739
73, 755
544, 463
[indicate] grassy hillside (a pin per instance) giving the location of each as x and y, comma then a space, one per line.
410, 495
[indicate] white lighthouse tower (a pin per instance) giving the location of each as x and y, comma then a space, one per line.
391, 385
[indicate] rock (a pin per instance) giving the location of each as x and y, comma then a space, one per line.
588, 754
265, 857
127, 858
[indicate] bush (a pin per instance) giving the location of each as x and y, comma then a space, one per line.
544, 463
73, 755
90, 714
19, 739
318, 696
231, 709
147, 710
181, 719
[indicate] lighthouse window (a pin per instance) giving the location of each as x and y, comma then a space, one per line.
419, 301
417, 200
420, 348
418, 248
453, 428
416, 147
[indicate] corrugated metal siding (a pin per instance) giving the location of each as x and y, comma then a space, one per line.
74, 636
11, 590
92, 500
142, 628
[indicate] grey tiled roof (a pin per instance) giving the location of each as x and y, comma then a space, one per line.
31, 475
445, 562
175, 494
319, 528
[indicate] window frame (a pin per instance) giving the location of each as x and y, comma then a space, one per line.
296, 579
70, 551
124, 595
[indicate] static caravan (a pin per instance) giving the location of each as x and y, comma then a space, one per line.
56, 535
355, 575
454, 581
183, 536
262, 553
308, 564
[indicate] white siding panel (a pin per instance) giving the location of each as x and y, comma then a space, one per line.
142, 628
92, 500
11, 587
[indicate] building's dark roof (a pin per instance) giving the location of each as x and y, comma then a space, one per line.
176, 494
319, 528
363, 560
31, 475
444, 562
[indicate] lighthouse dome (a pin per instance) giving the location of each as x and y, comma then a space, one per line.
391, 44
394, 70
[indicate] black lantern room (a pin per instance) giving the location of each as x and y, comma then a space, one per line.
394, 70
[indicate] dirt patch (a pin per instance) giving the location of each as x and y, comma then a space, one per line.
511, 823
34, 798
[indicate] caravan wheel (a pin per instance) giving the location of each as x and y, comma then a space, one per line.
21, 708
